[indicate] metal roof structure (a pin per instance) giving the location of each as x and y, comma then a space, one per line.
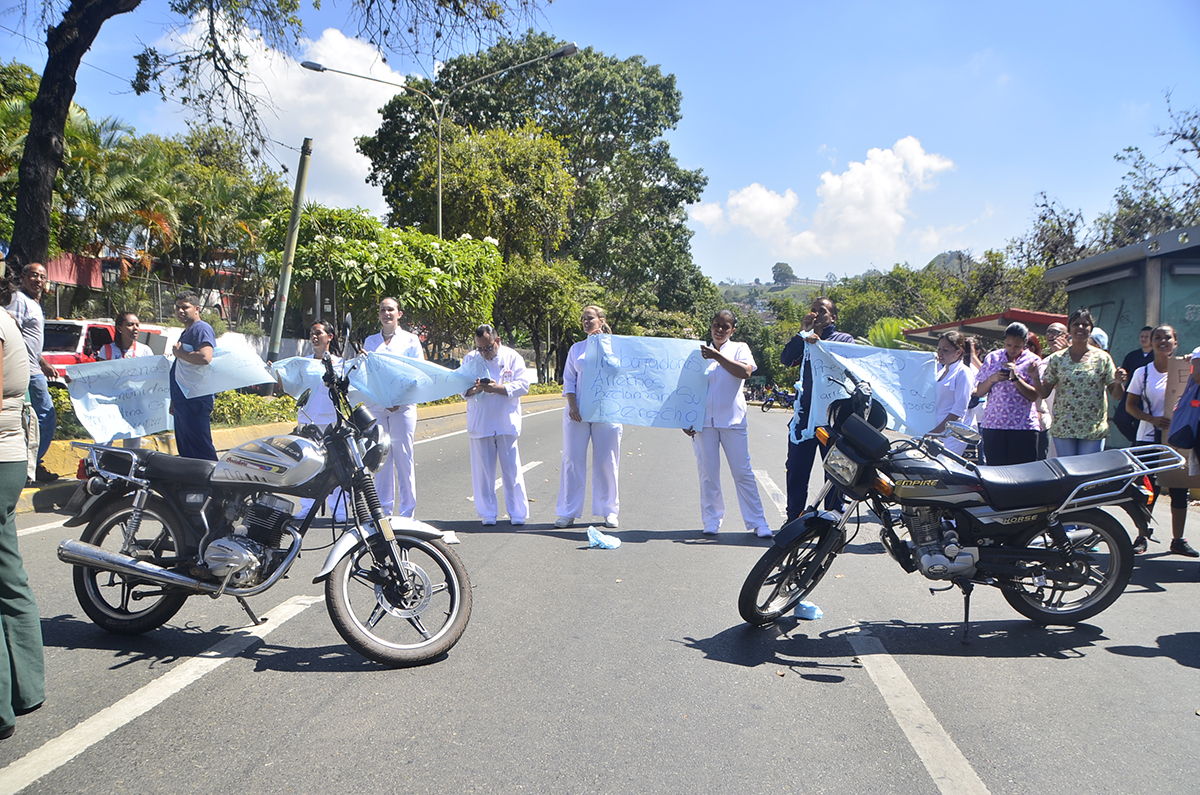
986, 326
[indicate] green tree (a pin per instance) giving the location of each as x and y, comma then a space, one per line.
511, 186
782, 274
538, 299
627, 225
209, 73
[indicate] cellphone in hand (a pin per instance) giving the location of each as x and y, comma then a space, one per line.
485, 380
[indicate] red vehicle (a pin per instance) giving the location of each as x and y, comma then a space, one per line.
78, 341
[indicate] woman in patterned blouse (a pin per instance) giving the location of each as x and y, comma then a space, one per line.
1009, 425
1084, 377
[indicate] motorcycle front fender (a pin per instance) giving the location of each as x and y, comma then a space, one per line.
805, 523
401, 526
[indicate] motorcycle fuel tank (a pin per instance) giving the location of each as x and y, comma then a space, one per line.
280, 461
921, 480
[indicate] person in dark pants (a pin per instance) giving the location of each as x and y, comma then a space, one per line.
818, 324
1009, 424
193, 417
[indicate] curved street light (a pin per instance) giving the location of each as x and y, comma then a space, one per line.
440, 107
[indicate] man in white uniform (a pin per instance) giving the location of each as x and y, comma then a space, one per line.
493, 425
396, 480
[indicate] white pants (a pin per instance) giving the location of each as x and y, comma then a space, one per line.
606, 461
484, 453
736, 443
336, 504
396, 480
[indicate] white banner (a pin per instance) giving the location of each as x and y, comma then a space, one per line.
122, 399
231, 368
905, 382
390, 380
651, 381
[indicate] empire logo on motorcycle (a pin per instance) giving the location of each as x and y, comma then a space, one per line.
1036, 531
160, 528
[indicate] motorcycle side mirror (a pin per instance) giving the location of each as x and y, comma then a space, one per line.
964, 432
302, 401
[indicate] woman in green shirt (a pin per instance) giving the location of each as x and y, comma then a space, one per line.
1084, 377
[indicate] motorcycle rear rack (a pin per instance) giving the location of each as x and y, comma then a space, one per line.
94, 451
1149, 459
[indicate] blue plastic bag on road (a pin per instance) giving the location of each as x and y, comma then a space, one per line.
598, 539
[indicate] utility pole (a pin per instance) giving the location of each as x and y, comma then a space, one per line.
289, 253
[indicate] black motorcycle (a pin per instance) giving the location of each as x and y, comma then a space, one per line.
160, 528
1036, 531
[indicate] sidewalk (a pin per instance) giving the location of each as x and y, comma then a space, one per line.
63, 460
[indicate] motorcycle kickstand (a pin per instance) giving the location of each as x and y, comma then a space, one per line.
250, 611
967, 587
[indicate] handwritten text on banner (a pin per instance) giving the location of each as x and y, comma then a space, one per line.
903, 381
122, 399
660, 383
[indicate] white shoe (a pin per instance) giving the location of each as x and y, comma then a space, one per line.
564, 521
516, 522
611, 521
488, 522
450, 537
764, 532
711, 531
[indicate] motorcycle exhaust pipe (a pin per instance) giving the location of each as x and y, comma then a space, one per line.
82, 554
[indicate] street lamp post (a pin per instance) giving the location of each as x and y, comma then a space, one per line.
440, 107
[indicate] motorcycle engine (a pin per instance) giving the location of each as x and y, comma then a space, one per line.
247, 552
935, 543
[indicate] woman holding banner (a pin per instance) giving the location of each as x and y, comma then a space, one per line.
605, 438
954, 385
126, 346
725, 427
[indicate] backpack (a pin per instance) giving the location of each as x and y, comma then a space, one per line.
1185, 418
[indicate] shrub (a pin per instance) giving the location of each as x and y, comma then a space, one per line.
237, 409
68, 424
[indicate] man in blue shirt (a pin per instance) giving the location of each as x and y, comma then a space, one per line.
818, 324
193, 418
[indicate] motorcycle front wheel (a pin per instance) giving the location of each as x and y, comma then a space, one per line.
766, 406
400, 618
785, 575
116, 602
1103, 557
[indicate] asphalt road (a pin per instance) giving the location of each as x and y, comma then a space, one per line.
596, 671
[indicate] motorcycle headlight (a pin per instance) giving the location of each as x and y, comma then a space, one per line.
378, 445
841, 467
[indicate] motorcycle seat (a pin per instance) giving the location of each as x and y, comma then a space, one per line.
1048, 482
161, 466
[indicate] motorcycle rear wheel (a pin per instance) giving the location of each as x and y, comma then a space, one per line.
785, 575
1107, 562
400, 623
113, 601
766, 406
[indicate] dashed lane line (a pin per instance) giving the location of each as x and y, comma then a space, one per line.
75, 741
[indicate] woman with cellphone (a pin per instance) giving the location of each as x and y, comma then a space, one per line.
1009, 425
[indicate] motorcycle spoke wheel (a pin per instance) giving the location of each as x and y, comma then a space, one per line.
116, 602
1102, 555
783, 576
400, 616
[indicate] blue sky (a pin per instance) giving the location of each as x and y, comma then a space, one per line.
835, 136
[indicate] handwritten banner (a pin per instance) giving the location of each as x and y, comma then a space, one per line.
387, 379
903, 381
650, 381
231, 368
122, 399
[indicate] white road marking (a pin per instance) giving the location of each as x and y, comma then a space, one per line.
458, 433
768, 485
524, 469
75, 741
49, 526
950, 770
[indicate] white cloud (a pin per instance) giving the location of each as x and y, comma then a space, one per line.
708, 213
331, 109
862, 210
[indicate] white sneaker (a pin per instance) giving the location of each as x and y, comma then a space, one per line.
711, 531
516, 522
564, 521
488, 522
450, 537
611, 521
764, 532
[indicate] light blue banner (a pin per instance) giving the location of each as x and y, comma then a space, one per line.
659, 383
905, 382
122, 399
389, 380
299, 373
231, 368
